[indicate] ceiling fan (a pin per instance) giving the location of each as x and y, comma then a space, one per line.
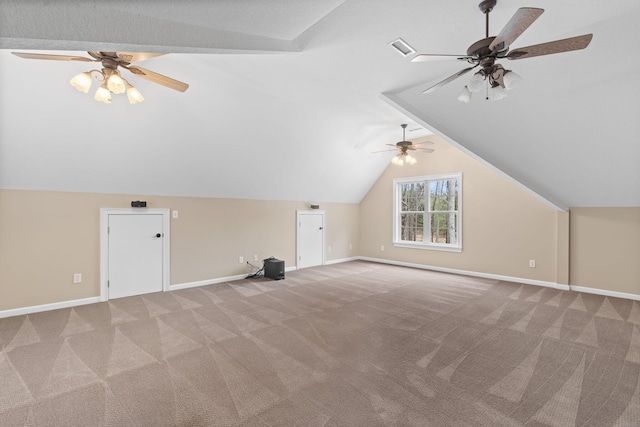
404, 147
109, 75
485, 52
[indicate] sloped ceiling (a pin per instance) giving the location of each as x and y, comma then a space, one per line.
288, 99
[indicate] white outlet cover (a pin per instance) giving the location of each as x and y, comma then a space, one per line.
175, 214
77, 278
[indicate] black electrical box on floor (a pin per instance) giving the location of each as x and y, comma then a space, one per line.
274, 269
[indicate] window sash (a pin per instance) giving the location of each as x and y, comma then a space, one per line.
422, 234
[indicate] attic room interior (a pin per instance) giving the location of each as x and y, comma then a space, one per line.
245, 115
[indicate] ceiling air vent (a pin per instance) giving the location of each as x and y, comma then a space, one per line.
402, 47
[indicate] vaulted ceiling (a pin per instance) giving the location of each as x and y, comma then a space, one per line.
288, 99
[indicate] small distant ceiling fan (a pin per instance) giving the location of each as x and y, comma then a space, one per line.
404, 147
485, 52
109, 76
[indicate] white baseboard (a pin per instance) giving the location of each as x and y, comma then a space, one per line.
341, 260
605, 292
46, 307
218, 280
469, 273
206, 282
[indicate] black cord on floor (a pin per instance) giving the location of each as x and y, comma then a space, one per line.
259, 273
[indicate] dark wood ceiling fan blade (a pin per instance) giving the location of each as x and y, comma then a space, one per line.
52, 57
131, 57
549, 48
517, 25
425, 57
158, 78
448, 79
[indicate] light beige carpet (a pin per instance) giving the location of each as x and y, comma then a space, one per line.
353, 344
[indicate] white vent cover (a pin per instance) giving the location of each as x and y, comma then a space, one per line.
402, 47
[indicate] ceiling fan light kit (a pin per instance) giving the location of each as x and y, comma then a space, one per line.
109, 76
485, 52
405, 146
112, 82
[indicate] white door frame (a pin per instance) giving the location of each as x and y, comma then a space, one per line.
309, 212
104, 243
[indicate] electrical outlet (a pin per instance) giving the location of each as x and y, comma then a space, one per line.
77, 278
382, 248
532, 263
255, 257
175, 214
328, 248
350, 246
240, 260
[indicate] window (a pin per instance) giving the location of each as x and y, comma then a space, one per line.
428, 212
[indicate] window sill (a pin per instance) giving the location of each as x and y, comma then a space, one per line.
442, 248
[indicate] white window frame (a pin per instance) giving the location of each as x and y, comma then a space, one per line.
397, 202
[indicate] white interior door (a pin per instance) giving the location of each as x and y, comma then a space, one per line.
135, 254
310, 239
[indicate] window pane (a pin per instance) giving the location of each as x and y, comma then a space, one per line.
443, 195
444, 228
412, 197
412, 227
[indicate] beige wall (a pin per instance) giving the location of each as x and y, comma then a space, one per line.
605, 249
503, 225
46, 237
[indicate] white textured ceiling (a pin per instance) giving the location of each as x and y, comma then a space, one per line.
287, 99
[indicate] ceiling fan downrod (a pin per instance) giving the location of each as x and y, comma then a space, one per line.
486, 7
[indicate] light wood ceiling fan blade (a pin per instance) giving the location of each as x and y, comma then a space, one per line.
131, 57
158, 78
381, 151
423, 142
52, 57
517, 25
557, 46
425, 150
448, 79
425, 57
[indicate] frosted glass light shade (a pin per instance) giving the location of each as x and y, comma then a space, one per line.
496, 93
476, 82
115, 83
103, 94
82, 82
511, 79
133, 95
465, 95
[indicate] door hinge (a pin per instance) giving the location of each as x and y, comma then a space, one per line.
108, 229
107, 283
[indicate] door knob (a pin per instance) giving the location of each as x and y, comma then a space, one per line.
158, 235
320, 228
